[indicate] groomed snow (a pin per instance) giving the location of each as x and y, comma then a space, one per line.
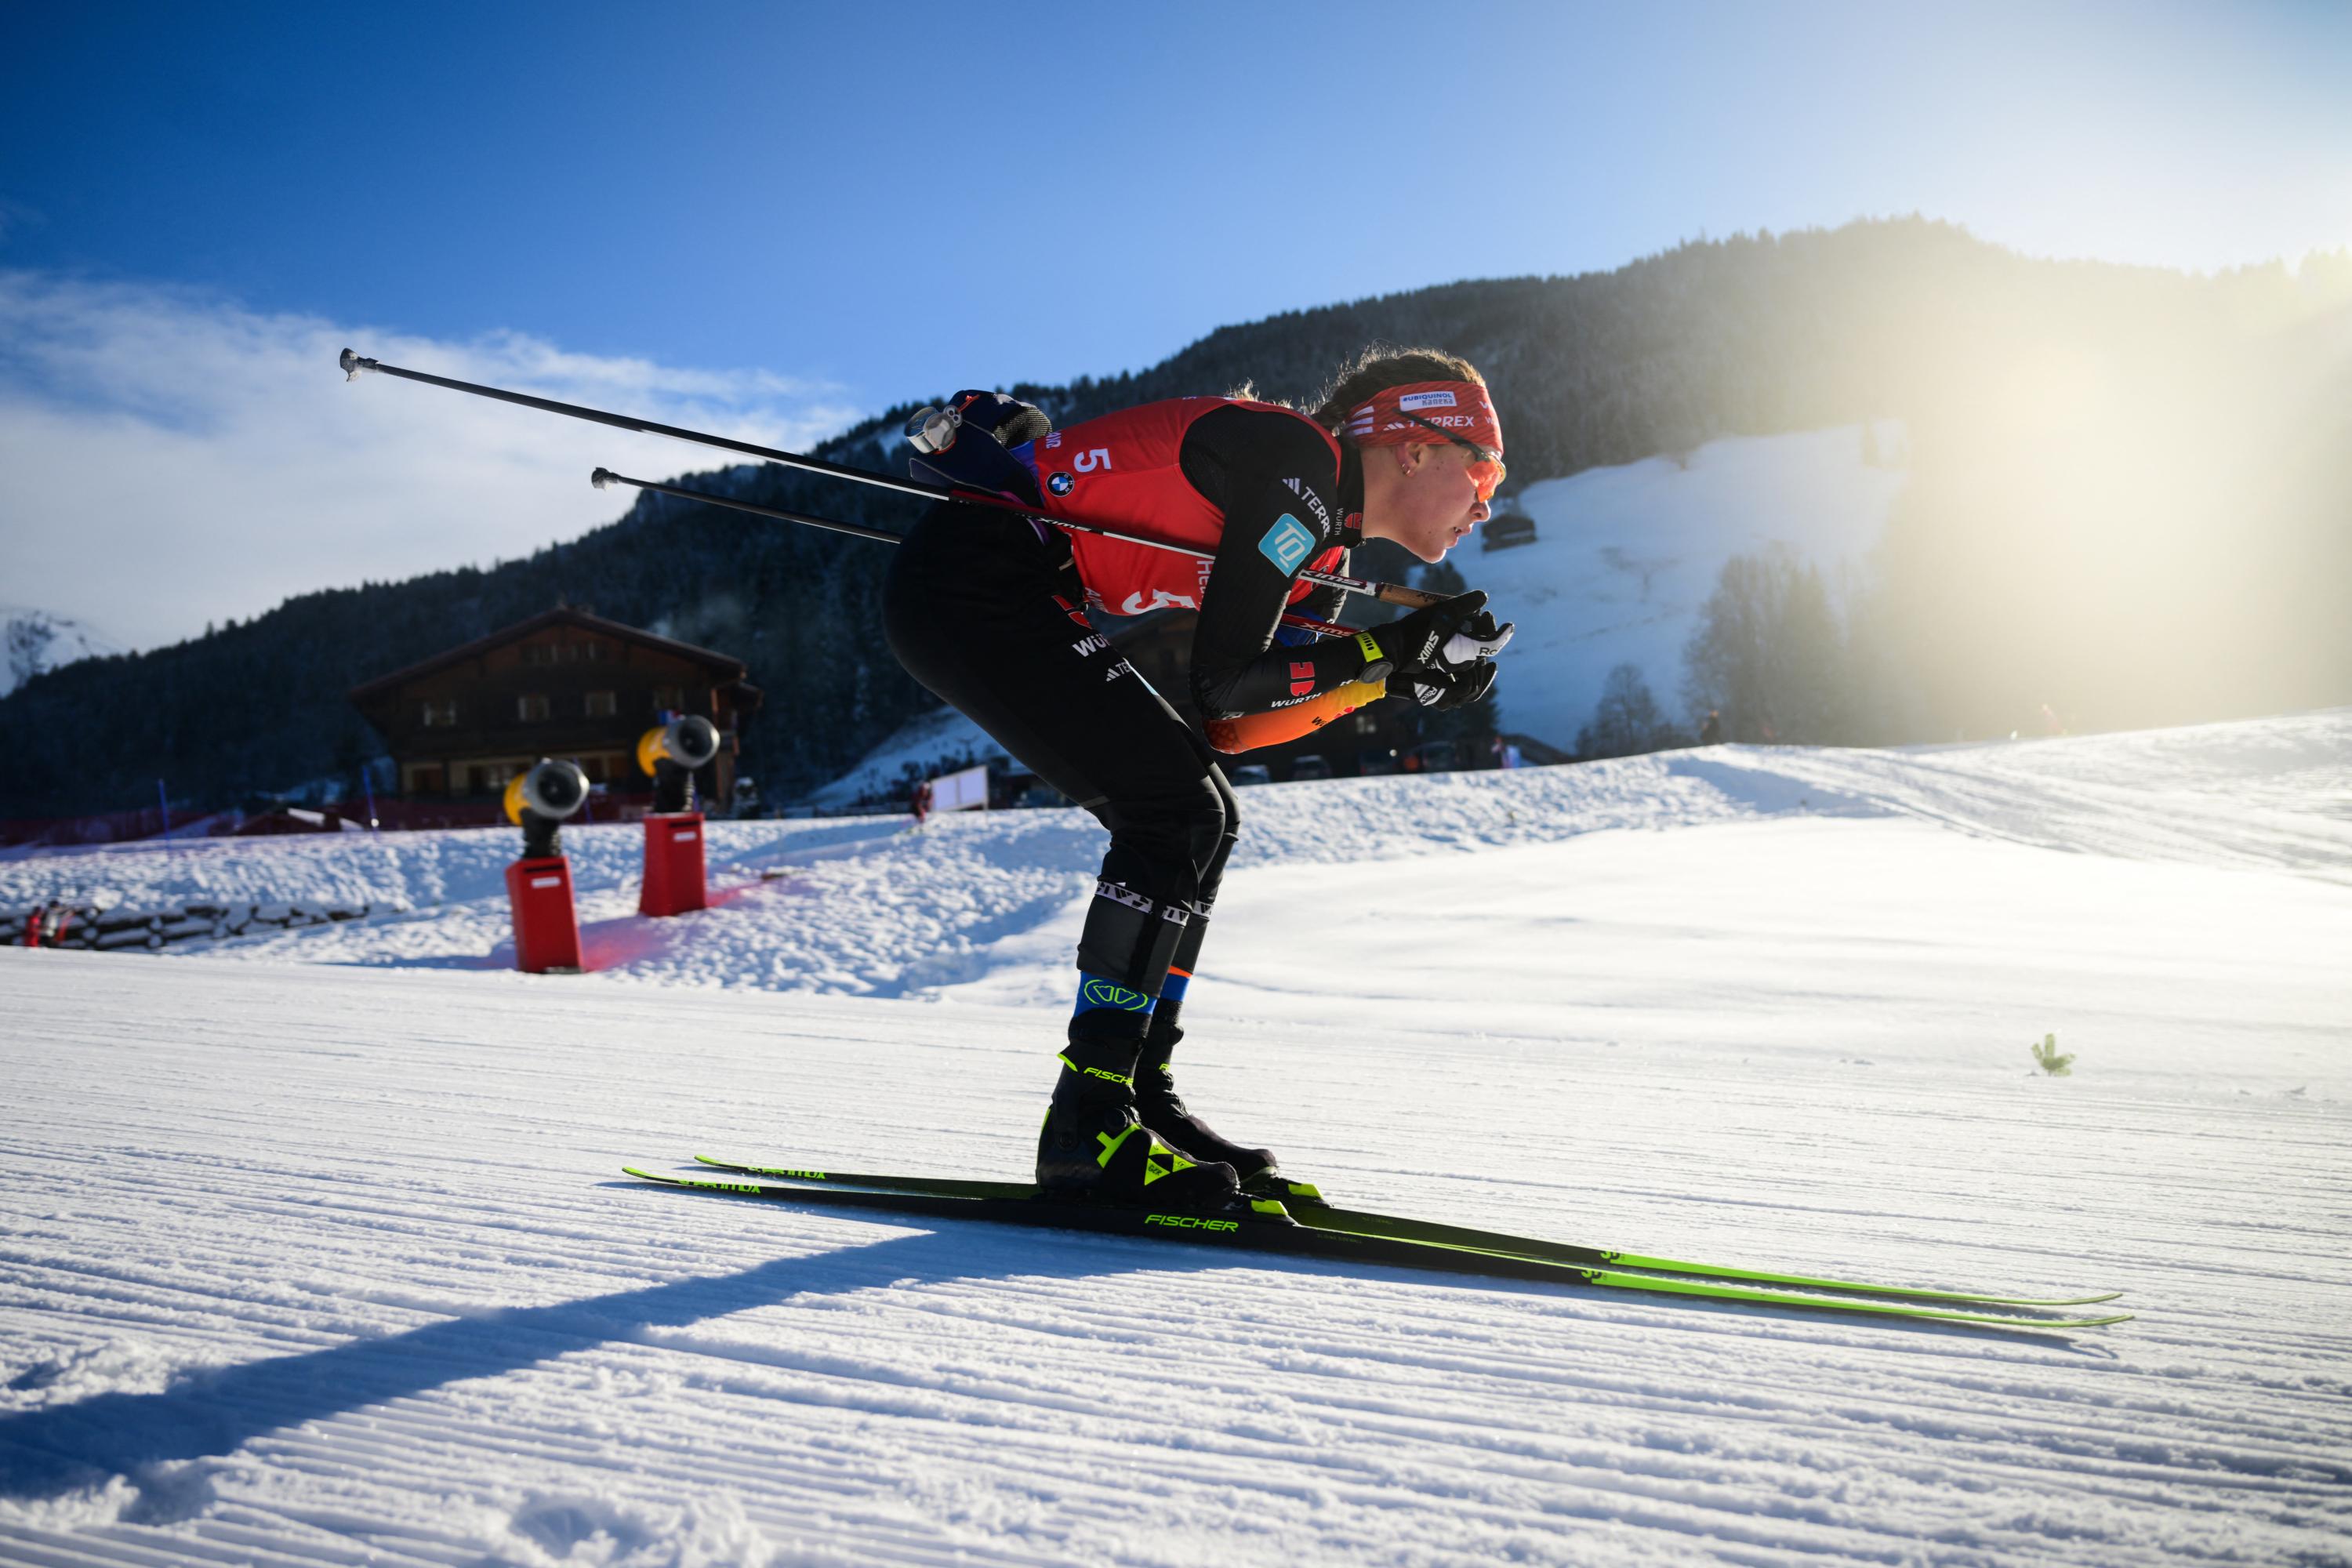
315, 1249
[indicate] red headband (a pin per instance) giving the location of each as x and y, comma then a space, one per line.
1459, 409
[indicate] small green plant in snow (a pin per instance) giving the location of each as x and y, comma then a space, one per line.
2051, 1061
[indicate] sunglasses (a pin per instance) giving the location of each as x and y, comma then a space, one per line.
1485, 469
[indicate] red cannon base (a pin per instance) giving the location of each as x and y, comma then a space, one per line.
546, 925
674, 871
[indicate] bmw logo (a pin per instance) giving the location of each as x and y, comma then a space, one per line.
1061, 484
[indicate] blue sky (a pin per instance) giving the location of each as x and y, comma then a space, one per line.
782, 215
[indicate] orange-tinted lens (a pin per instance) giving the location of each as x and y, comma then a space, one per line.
1486, 473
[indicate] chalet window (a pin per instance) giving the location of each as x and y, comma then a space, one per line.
531, 707
594, 652
602, 704
537, 653
669, 699
441, 714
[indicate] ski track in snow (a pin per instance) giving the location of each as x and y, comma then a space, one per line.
314, 1249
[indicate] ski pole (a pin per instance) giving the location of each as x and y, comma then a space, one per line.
605, 477
354, 365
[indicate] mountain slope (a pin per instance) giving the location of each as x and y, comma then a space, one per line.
1750, 336
37, 641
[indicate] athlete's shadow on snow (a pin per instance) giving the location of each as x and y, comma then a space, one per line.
48, 1452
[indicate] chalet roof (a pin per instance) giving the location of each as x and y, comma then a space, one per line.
724, 666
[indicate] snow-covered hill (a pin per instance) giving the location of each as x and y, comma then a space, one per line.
1623, 561
37, 640
312, 1250
1624, 558
865, 906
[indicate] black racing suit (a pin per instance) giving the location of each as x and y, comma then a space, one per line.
985, 608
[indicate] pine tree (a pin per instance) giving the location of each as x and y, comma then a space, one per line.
1628, 720
1769, 654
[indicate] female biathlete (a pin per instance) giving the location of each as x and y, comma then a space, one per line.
988, 609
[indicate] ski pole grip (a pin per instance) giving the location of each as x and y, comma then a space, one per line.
1410, 598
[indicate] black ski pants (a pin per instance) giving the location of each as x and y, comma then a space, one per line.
990, 616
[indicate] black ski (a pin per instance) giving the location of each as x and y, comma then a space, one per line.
1308, 1208
1273, 1236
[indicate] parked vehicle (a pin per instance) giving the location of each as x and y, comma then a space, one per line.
1248, 773
1430, 757
1376, 760
1310, 766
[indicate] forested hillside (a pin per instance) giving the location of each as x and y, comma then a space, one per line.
2051, 405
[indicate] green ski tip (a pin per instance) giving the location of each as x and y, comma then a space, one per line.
1905, 1310
1309, 1208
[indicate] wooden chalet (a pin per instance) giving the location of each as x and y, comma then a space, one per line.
563, 684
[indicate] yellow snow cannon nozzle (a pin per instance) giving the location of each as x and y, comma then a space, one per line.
690, 742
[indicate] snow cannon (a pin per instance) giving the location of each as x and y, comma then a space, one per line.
672, 754
539, 801
539, 886
675, 882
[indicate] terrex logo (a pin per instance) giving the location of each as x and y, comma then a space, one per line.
1412, 401
1190, 1222
1287, 544
1314, 502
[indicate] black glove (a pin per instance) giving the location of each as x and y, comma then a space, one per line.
1447, 636
1441, 689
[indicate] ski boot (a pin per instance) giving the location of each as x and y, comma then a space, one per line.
1162, 1112
1093, 1149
